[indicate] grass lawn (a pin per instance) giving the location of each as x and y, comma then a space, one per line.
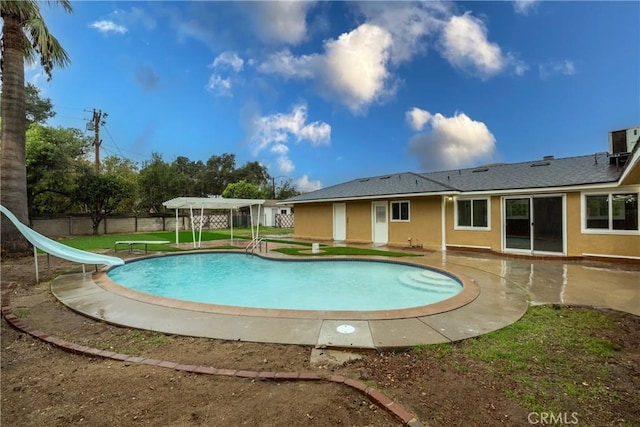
107, 241
341, 250
554, 358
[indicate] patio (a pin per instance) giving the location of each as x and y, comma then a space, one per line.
507, 287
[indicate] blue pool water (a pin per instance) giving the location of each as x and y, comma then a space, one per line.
250, 281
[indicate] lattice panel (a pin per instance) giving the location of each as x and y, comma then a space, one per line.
218, 221
284, 220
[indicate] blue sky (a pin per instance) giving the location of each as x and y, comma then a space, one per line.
325, 92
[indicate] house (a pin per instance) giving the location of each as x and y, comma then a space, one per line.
277, 215
585, 206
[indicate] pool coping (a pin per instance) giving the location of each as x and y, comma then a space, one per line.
469, 292
497, 304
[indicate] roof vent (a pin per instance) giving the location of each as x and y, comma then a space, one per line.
547, 158
480, 170
364, 180
385, 177
534, 165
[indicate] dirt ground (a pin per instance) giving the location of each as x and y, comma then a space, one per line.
42, 385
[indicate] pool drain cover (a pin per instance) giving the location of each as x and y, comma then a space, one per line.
346, 329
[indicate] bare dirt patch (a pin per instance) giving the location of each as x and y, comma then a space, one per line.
41, 385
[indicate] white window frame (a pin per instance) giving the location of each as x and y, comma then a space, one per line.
408, 211
610, 230
471, 227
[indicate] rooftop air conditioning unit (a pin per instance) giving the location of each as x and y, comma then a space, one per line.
623, 141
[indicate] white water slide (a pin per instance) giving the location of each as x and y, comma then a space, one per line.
56, 248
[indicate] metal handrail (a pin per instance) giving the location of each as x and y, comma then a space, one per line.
255, 243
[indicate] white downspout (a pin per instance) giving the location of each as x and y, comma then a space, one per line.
231, 221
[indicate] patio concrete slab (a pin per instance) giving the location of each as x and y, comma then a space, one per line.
404, 333
493, 309
507, 287
345, 333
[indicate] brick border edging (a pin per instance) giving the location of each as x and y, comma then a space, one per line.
394, 409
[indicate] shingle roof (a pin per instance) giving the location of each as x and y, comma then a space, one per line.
571, 171
384, 185
564, 172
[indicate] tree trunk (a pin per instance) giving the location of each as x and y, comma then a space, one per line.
13, 173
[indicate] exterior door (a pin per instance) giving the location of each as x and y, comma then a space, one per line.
380, 223
339, 221
534, 224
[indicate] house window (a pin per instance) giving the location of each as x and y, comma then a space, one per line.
611, 212
472, 213
400, 211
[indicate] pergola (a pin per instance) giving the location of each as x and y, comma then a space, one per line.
218, 203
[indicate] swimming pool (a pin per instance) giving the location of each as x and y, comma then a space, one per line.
233, 279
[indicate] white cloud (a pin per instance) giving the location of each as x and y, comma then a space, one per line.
452, 142
106, 26
409, 23
304, 185
465, 46
417, 118
230, 60
352, 69
287, 65
280, 21
356, 66
277, 131
564, 67
219, 86
223, 86
523, 7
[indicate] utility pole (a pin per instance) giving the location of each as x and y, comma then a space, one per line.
96, 121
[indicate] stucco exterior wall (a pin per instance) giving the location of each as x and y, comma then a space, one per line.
424, 227
633, 176
359, 221
579, 243
314, 221
485, 239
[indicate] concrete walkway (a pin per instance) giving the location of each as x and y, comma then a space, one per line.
507, 287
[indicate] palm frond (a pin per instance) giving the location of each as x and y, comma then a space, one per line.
39, 42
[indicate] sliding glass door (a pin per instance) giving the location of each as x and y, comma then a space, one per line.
534, 224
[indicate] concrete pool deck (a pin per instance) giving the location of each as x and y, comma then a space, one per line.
506, 288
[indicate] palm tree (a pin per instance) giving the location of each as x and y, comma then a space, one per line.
25, 37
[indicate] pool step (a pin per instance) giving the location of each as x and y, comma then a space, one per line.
428, 281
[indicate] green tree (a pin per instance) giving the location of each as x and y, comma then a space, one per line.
241, 190
128, 170
37, 109
285, 190
101, 194
155, 183
219, 172
54, 156
188, 177
25, 37
254, 173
